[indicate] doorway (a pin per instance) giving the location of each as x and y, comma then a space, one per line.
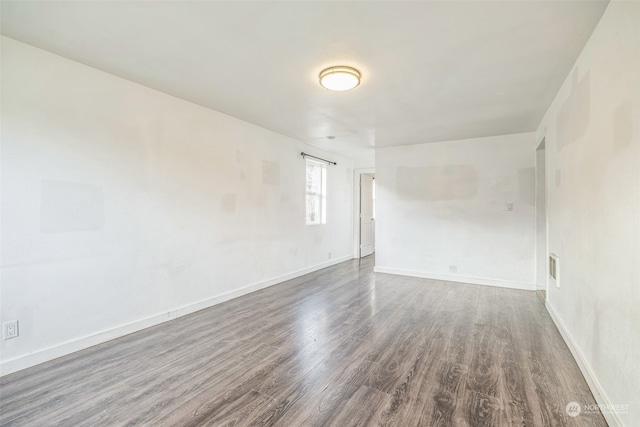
541, 223
367, 214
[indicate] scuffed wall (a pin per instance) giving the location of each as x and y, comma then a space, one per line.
592, 133
442, 210
123, 207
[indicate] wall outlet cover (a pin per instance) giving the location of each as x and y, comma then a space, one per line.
10, 329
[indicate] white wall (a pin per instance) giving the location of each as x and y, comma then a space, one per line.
442, 204
368, 162
541, 221
592, 133
123, 207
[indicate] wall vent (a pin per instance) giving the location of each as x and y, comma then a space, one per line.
554, 268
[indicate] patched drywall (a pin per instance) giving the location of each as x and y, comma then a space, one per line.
623, 125
123, 207
437, 183
593, 164
228, 203
442, 210
270, 173
574, 115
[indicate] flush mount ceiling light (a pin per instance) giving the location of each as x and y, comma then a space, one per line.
339, 78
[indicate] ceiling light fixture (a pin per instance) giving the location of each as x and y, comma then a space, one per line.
339, 78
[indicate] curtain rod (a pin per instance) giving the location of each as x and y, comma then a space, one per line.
303, 154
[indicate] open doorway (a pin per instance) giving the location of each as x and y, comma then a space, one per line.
357, 232
541, 223
367, 214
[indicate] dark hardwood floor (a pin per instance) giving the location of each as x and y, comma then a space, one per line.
342, 346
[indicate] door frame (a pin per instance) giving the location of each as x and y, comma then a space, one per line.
356, 208
542, 147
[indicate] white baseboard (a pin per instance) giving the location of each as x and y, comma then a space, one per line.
462, 279
44, 355
612, 418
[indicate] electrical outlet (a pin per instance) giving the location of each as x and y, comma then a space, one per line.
10, 329
509, 206
453, 269
329, 255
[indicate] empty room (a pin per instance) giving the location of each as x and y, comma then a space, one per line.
320, 213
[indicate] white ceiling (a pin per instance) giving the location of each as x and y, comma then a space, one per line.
431, 70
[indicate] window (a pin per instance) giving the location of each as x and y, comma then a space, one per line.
316, 193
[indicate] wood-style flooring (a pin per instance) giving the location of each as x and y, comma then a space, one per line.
342, 347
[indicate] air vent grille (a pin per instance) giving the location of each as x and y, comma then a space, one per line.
554, 267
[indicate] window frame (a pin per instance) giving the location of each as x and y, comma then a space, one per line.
321, 196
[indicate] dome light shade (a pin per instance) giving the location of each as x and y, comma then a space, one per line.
339, 78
